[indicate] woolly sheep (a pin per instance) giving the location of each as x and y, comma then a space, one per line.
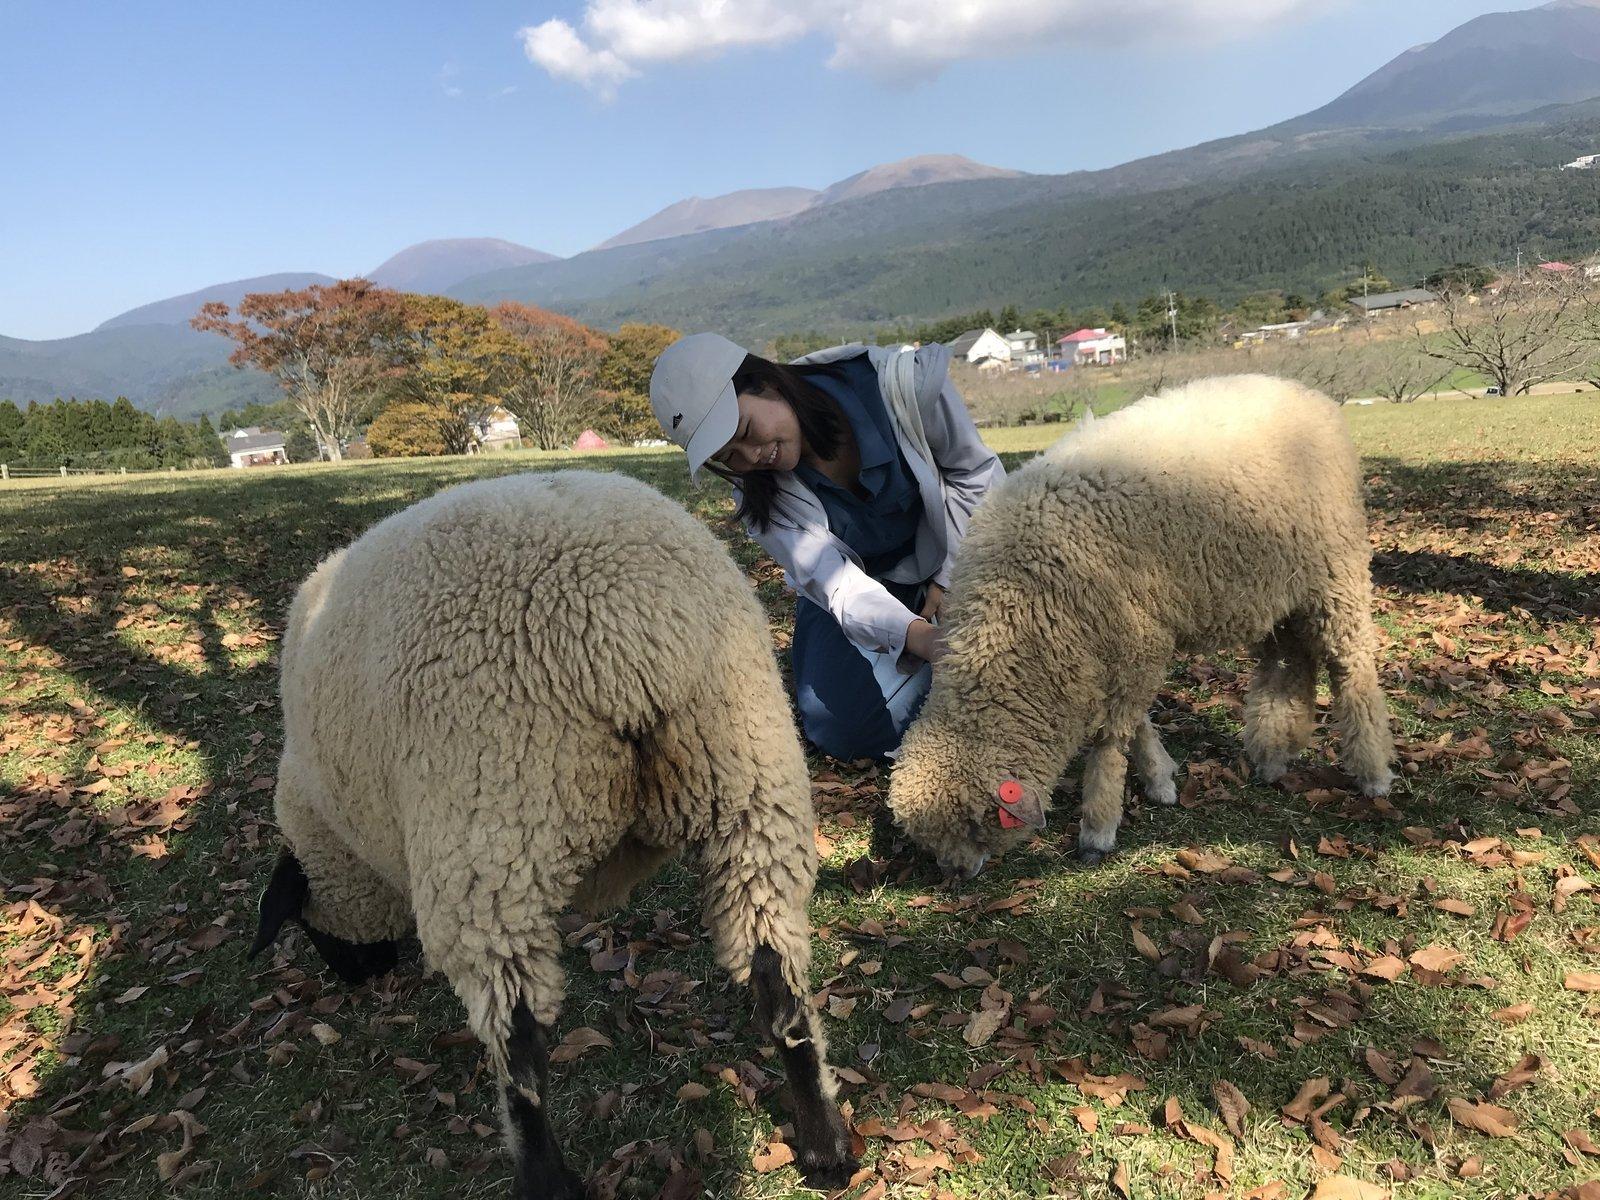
528, 693
1222, 513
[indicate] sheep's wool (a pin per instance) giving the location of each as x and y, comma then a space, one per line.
528, 692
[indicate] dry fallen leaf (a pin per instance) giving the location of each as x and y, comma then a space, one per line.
777, 1154
1513, 1015
579, 1042
1306, 1099
691, 1092
1232, 1105
1582, 981
1436, 958
1489, 1119
1342, 1187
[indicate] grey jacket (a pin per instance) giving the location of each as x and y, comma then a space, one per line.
823, 569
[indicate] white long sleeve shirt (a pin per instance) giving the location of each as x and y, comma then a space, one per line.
820, 567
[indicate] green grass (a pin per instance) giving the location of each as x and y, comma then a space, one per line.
138, 624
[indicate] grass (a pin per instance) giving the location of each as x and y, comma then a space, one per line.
138, 624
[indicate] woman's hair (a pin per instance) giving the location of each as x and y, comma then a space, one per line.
822, 429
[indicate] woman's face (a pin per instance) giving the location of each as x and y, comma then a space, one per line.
768, 437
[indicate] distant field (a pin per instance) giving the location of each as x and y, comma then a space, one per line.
1418, 974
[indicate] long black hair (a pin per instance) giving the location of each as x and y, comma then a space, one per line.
822, 430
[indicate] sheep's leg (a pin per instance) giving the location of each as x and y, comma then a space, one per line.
821, 1140
540, 1172
1154, 765
1280, 711
1350, 644
1105, 774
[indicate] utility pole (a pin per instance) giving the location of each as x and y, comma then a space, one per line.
1172, 316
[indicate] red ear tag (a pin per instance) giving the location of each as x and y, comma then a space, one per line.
1009, 792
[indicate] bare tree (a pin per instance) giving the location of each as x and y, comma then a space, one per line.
1517, 337
551, 388
1397, 369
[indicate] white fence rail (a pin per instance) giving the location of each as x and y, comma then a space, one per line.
9, 472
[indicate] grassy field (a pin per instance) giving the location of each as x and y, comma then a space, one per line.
1269, 992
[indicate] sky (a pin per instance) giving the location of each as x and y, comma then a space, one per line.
152, 149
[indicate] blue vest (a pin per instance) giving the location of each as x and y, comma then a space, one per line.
882, 529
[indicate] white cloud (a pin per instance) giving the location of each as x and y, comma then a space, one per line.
891, 39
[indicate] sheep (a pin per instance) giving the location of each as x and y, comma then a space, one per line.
1222, 513
524, 694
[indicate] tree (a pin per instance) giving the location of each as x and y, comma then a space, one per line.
1460, 277
327, 346
1010, 319
454, 359
1262, 308
1197, 318
553, 370
1527, 332
408, 429
205, 446
299, 446
624, 378
1397, 370
11, 431
1370, 282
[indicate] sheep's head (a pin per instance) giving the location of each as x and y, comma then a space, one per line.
963, 799
286, 899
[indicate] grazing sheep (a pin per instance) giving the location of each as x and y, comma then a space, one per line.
1223, 513
528, 693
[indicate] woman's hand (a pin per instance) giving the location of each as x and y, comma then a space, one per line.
930, 606
925, 641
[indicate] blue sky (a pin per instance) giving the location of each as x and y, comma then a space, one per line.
151, 149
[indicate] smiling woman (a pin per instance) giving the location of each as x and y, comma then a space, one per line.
856, 468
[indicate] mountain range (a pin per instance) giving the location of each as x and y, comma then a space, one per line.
1446, 153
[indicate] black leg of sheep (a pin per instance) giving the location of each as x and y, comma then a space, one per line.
822, 1143
541, 1174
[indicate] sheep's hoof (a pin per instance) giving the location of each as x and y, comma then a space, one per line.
564, 1184
830, 1177
1162, 791
1091, 858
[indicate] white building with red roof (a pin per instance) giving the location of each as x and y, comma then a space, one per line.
1098, 347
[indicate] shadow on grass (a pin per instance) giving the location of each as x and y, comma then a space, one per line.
344, 1106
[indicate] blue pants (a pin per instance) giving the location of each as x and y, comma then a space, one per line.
847, 710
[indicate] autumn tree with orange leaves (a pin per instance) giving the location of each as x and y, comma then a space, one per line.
329, 347
550, 384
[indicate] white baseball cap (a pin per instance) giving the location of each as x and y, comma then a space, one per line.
691, 391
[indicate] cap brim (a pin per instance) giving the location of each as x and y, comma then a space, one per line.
715, 432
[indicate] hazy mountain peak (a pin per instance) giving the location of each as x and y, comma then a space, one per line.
176, 310
434, 266
912, 172
698, 214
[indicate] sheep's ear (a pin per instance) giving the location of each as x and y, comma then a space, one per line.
283, 900
1017, 806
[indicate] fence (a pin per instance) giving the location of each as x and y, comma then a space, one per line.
9, 472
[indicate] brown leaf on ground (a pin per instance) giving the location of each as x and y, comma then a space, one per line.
1119, 1181
1513, 1015
1381, 1065
1578, 1139
1088, 1120
1488, 1119
777, 1154
1582, 981
1385, 967
1418, 1083
1306, 1099
1342, 1187
981, 1026
1232, 1105
1519, 1076
579, 1042
1436, 958
1276, 1190
1143, 944
1459, 908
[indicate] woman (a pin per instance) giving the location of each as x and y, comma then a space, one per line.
856, 468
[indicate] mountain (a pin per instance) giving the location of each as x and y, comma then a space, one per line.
438, 265
912, 172
154, 365
178, 309
697, 215
1496, 64
863, 265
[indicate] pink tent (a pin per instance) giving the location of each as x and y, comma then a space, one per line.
590, 440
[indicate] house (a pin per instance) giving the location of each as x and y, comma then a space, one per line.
1024, 347
1555, 268
1267, 333
1585, 162
1098, 347
498, 430
979, 346
255, 447
1391, 301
